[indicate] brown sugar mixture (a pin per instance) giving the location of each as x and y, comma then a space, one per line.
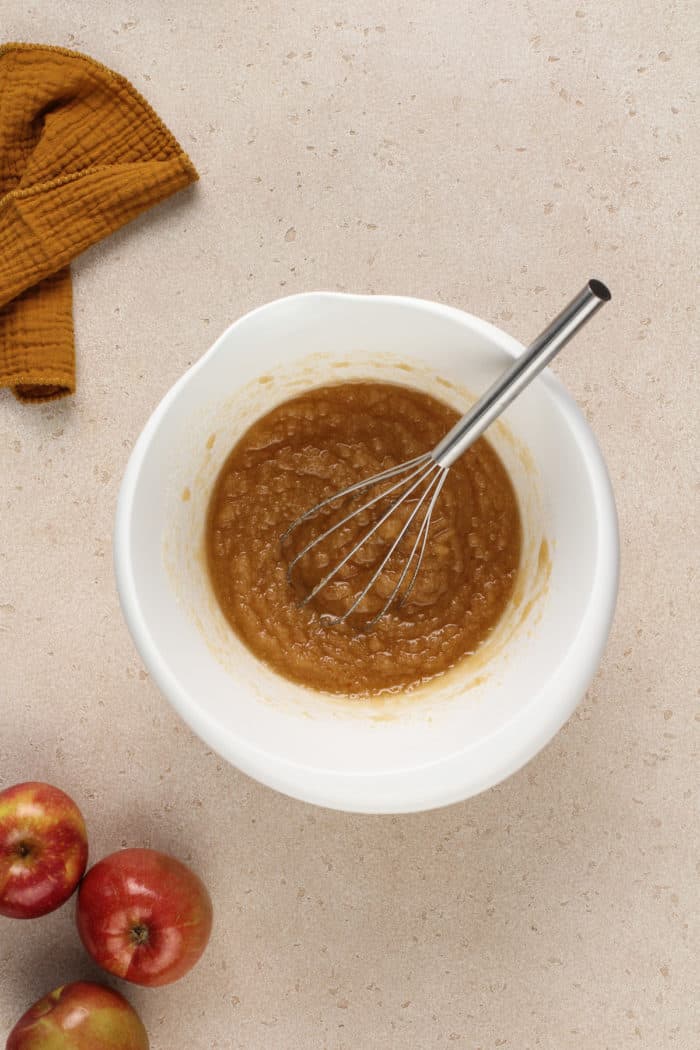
307, 449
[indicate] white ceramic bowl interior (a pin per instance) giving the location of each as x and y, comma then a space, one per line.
463, 732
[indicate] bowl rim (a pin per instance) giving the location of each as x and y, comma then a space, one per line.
508, 747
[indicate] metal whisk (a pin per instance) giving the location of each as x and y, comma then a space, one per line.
425, 475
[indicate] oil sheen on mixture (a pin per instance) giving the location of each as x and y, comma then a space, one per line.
303, 451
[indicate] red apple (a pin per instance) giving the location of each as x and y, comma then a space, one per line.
80, 1016
144, 916
43, 849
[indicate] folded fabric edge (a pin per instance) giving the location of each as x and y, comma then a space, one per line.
39, 385
178, 162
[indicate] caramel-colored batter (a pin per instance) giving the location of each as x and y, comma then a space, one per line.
303, 451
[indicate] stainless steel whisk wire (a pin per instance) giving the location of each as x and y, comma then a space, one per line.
431, 469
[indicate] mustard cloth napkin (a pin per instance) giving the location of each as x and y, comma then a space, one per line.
81, 154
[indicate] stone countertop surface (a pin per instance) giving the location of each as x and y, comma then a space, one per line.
491, 155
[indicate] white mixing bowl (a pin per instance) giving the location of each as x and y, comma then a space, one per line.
459, 734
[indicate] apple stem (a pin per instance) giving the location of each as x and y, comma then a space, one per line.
139, 934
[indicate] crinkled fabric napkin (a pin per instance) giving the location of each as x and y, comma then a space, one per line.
81, 154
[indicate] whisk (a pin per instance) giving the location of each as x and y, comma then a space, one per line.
424, 476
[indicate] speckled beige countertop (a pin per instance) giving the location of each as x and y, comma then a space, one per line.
492, 155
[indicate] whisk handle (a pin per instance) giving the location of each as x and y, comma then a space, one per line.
523, 370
